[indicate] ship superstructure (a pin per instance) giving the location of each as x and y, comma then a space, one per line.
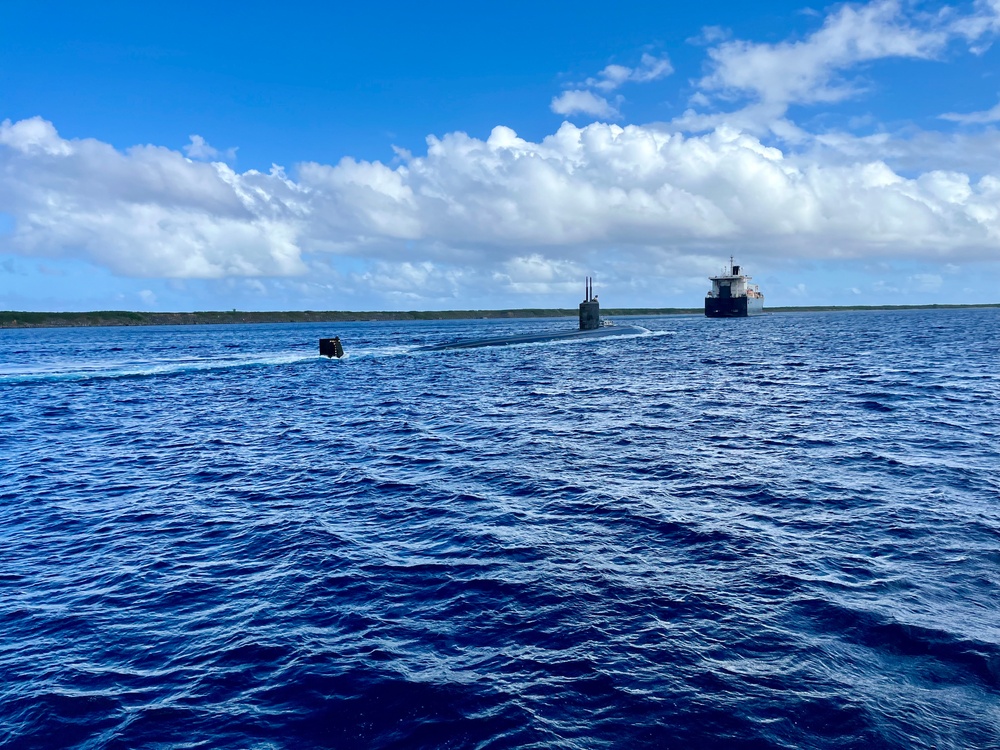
732, 296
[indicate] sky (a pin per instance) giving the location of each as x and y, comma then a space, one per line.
403, 156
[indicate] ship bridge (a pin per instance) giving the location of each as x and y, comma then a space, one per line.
732, 283
732, 296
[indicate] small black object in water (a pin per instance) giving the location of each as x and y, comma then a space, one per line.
331, 347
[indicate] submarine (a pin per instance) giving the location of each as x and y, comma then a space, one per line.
591, 327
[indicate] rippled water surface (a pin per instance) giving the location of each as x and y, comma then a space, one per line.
781, 532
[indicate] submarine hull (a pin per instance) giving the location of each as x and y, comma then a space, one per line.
533, 338
733, 307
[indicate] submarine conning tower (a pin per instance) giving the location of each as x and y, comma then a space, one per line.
590, 309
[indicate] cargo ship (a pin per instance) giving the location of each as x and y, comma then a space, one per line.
732, 296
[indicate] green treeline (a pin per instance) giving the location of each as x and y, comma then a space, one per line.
14, 319
11, 319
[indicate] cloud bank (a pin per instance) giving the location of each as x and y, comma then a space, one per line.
533, 214
151, 212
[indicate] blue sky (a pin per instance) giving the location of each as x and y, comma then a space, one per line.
310, 156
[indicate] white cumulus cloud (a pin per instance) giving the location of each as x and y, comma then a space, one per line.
821, 68
807, 71
583, 101
200, 149
579, 101
147, 211
650, 68
533, 215
974, 118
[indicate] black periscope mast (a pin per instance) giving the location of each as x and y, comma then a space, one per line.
732, 297
591, 327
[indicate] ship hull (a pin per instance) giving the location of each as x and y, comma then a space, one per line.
575, 335
733, 307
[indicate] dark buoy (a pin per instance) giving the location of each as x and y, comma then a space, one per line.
331, 347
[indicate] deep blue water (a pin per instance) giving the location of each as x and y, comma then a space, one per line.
781, 532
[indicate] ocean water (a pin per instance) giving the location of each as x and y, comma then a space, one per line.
781, 532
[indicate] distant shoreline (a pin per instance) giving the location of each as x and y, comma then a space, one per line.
14, 319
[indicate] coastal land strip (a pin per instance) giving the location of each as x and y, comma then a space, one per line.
16, 319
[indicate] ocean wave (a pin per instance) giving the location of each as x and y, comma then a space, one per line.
649, 543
